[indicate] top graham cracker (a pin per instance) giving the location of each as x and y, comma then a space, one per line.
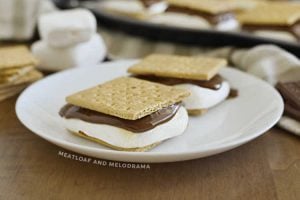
282, 14
193, 68
128, 98
16, 56
208, 6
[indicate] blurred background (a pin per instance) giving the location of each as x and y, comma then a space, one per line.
134, 28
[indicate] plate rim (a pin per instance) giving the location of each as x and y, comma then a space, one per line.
168, 156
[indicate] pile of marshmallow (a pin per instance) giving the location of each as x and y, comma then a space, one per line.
68, 39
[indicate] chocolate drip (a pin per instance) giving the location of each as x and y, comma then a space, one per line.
137, 126
212, 18
215, 83
233, 93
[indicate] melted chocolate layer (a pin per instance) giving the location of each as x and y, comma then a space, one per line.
212, 18
137, 126
215, 83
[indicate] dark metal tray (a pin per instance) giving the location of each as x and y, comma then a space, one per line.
195, 37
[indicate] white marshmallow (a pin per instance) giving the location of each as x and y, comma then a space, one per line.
133, 8
84, 54
66, 28
158, 8
228, 25
204, 98
280, 35
125, 7
126, 139
192, 21
180, 20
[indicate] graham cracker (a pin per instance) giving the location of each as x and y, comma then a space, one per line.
141, 149
17, 70
282, 14
208, 6
195, 68
128, 98
29, 77
8, 79
16, 56
11, 75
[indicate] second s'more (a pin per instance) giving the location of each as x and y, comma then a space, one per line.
127, 114
273, 20
199, 75
17, 70
214, 14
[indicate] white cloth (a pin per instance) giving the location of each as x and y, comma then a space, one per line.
268, 62
18, 17
84, 54
66, 28
272, 64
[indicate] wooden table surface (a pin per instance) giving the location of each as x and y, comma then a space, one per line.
30, 168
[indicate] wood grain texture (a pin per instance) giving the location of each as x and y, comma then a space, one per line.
30, 168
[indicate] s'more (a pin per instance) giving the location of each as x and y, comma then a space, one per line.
199, 75
133, 8
17, 70
214, 14
273, 20
127, 114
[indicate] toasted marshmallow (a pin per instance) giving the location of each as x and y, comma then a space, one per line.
122, 138
204, 98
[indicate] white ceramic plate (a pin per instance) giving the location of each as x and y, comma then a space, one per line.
232, 123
